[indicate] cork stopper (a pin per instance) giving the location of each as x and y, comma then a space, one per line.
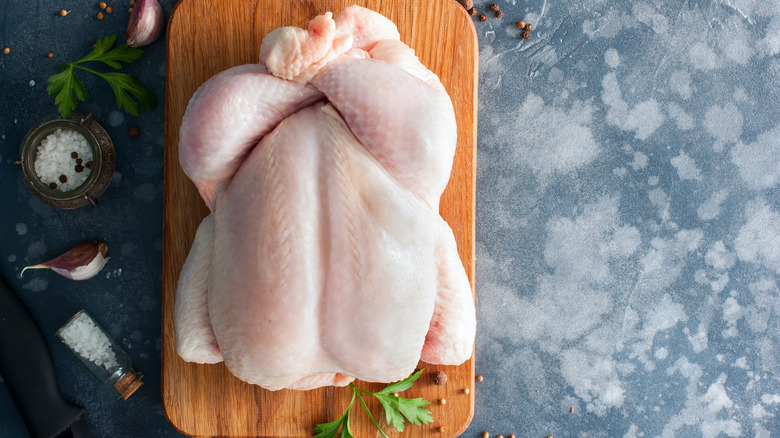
128, 384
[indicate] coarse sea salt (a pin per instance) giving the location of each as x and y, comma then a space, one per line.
63, 160
87, 340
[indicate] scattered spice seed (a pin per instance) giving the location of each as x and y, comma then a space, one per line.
494, 7
132, 2
443, 401
395, 394
512, 436
526, 35
473, 11
130, 10
100, 15
467, 4
53, 185
109, 9
529, 26
88, 165
500, 436
50, 55
6, 51
74, 154
521, 24
571, 409
439, 378
480, 378
79, 161
63, 179
466, 391
133, 132
63, 13
440, 429
482, 17
79, 168
102, 5
499, 14
485, 435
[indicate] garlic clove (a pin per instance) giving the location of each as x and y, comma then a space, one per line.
146, 23
80, 263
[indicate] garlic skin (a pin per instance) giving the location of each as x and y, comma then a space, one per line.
146, 23
80, 263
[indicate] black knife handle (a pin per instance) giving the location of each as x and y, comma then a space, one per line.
27, 367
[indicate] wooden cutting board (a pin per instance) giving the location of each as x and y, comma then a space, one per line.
208, 36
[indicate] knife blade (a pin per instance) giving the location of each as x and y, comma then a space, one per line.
27, 367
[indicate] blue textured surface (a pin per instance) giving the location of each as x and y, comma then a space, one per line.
628, 218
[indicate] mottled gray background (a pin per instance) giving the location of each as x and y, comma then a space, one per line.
628, 218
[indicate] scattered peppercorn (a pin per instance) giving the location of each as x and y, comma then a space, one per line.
53, 186
79, 161
102, 5
79, 168
526, 35
529, 26
499, 14
88, 165
443, 401
100, 15
485, 435
440, 429
50, 55
109, 9
63, 179
133, 132
6, 50
439, 378
467, 4
473, 11
480, 378
521, 24
494, 7
74, 155
482, 17
63, 13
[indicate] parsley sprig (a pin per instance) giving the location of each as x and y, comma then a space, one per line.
68, 88
397, 410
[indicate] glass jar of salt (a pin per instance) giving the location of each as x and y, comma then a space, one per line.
101, 354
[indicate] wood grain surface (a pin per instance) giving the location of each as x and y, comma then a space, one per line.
208, 36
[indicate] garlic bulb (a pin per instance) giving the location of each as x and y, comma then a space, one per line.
80, 263
146, 23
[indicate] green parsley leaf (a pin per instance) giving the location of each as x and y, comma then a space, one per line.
329, 430
127, 89
398, 410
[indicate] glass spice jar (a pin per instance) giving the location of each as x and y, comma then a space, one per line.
100, 354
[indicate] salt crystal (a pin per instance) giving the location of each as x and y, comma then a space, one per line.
53, 159
87, 340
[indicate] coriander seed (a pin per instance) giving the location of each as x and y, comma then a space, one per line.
485, 435
466, 391
133, 132
63, 13
6, 50
480, 378
526, 35
440, 429
512, 436
50, 55
100, 15
443, 401
109, 9
102, 5
494, 7
521, 24
482, 17
132, 2
500, 436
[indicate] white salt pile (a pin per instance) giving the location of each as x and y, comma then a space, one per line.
87, 340
63, 160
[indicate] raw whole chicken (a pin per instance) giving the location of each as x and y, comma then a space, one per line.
324, 258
